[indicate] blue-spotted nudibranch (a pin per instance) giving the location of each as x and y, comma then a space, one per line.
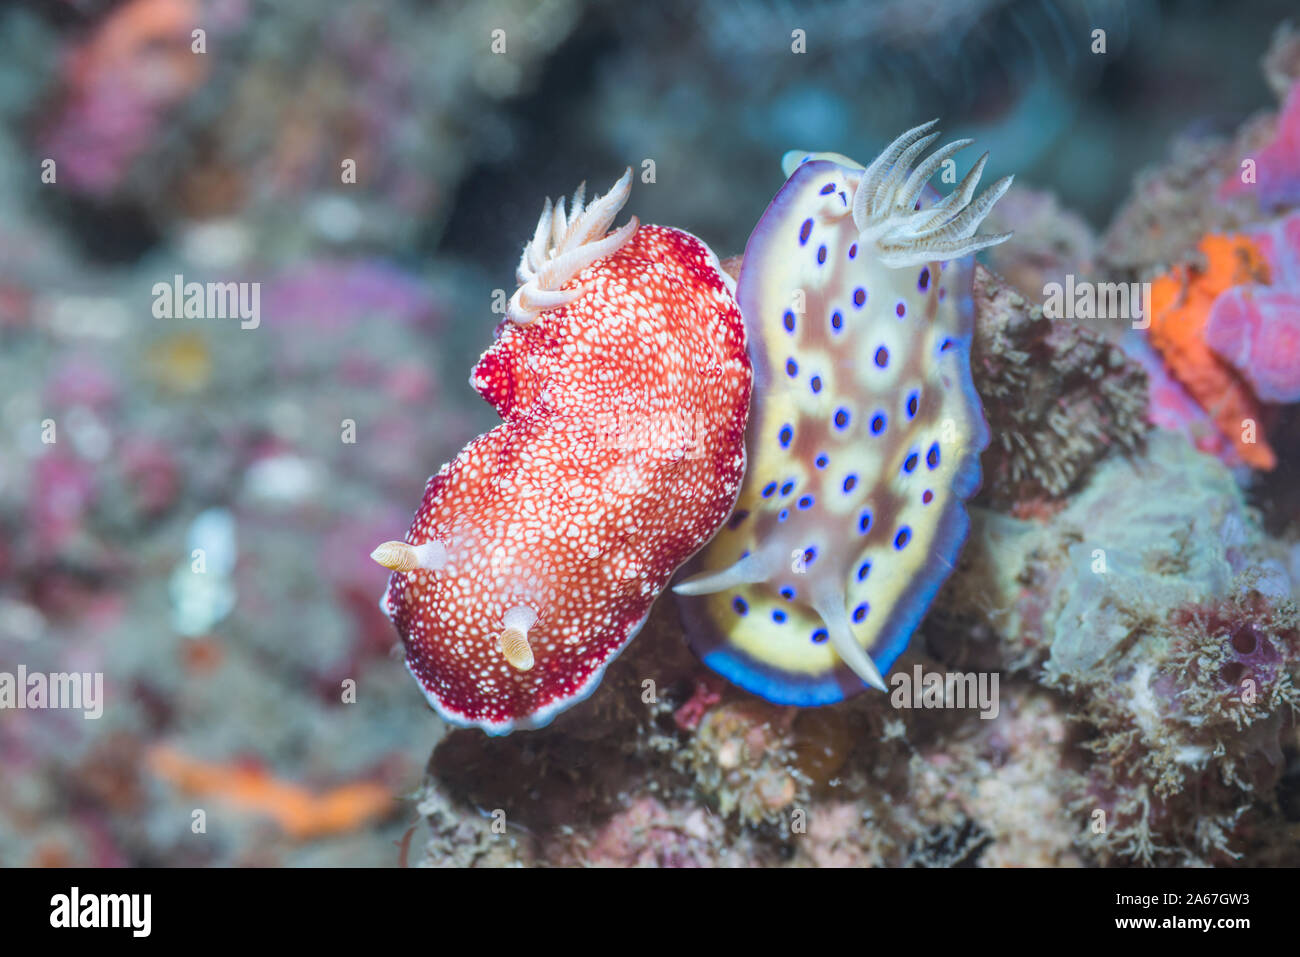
865, 430
623, 382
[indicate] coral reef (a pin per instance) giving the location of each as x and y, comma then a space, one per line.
1275, 166
1255, 327
742, 755
242, 662
1058, 398
1051, 242
1206, 229
1210, 185
1181, 306
1188, 732
855, 784
275, 110
1227, 331
1177, 654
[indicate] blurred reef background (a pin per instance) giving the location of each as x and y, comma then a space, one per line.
267, 690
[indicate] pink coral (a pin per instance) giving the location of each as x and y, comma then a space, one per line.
651, 834
1257, 330
1277, 167
1171, 406
63, 491
1256, 327
119, 86
1279, 244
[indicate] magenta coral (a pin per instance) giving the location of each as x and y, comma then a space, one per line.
1257, 330
1277, 167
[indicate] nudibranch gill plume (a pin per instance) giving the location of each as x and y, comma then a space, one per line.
622, 378
866, 430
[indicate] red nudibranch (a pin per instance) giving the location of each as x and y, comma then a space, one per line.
623, 383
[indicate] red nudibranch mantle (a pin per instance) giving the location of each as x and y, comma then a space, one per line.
623, 384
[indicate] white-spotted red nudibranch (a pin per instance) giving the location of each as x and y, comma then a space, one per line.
866, 430
623, 384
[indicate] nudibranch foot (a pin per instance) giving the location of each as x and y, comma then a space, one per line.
865, 434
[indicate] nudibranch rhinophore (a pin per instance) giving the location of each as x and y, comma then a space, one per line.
622, 379
866, 429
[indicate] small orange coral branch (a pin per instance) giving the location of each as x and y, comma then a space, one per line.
1180, 308
300, 813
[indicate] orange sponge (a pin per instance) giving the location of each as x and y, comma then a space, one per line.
1180, 308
